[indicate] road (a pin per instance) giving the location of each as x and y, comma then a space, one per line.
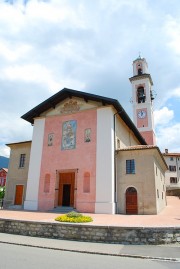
25, 257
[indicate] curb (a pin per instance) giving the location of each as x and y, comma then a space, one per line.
95, 252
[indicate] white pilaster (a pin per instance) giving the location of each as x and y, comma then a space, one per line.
31, 201
105, 162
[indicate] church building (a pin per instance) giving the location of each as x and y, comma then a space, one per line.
88, 155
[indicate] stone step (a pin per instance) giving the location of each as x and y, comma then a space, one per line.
16, 207
62, 209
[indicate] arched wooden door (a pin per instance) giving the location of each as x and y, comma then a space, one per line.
131, 201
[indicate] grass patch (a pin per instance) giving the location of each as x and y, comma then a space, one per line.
74, 217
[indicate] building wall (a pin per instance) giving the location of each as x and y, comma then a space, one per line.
81, 159
149, 137
160, 185
3, 175
16, 175
172, 160
144, 181
124, 134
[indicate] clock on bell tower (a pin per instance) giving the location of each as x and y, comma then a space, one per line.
142, 99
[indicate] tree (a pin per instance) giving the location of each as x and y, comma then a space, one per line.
2, 193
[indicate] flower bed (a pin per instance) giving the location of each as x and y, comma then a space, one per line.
74, 217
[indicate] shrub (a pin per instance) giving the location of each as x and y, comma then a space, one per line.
74, 217
74, 214
2, 192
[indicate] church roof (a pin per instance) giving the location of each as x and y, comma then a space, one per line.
69, 93
5, 169
139, 58
18, 143
138, 147
172, 154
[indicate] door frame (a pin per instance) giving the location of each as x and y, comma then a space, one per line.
61, 182
136, 205
22, 194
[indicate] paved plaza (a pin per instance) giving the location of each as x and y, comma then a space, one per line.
169, 217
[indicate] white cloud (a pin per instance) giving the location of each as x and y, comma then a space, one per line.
30, 73
175, 92
168, 137
172, 93
11, 17
114, 5
13, 52
172, 28
167, 132
37, 12
168, 97
163, 116
18, 129
40, 75
4, 151
55, 12
68, 83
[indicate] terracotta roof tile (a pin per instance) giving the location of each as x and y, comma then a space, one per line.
5, 169
139, 147
172, 154
144, 147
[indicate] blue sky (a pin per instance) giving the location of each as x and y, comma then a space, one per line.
87, 46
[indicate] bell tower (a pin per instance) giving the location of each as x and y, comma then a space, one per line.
142, 99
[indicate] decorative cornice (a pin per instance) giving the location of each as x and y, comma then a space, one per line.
138, 77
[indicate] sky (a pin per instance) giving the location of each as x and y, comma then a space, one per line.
87, 45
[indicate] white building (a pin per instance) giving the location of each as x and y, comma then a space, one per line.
172, 175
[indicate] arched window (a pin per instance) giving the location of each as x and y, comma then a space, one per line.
157, 193
86, 182
47, 183
139, 71
141, 97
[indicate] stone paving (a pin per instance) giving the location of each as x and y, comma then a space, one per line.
169, 217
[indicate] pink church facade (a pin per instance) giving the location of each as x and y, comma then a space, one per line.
78, 163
